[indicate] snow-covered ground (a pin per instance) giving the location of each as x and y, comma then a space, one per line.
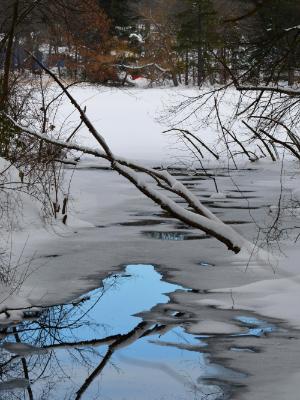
133, 121
60, 263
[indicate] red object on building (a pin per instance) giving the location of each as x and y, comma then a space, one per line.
134, 77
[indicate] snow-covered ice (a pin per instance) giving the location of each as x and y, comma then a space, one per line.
63, 262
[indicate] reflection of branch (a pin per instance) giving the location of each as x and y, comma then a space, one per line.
84, 343
36, 310
122, 341
114, 343
24, 365
94, 374
109, 340
118, 342
181, 346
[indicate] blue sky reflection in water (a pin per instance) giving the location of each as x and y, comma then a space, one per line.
142, 370
138, 289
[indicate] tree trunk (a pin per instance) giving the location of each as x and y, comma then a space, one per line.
186, 74
223, 71
200, 66
8, 58
291, 69
194, 76
174, 79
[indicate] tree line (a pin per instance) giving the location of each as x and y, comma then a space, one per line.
187, 42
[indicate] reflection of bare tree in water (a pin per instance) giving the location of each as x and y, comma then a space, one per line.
32, 341
30, 356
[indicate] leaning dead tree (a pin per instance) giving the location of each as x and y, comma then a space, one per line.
162, 184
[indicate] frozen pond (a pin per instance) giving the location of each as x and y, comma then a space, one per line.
145, 332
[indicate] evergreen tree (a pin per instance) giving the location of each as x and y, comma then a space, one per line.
272, 42
196, 31
119, 11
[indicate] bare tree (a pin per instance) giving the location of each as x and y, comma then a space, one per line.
196, 215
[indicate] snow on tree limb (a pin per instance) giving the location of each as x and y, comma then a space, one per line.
197, 216
275, 89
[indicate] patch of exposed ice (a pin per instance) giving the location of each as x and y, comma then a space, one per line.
22, 349
14, 384
218, 196
212, 327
